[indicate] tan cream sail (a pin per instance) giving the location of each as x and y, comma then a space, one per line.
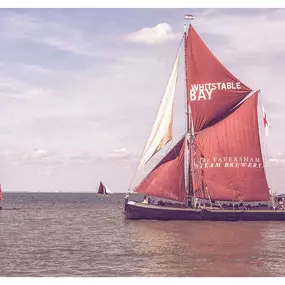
161, 132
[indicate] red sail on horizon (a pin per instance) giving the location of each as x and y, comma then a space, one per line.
1, 196
211, 89
228, 164
102, 189
166, 180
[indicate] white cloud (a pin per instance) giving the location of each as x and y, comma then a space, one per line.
35, 68
257, 34
58, 35
39, 152
42, 157
159, 34
277, 158
119, 154
37, 155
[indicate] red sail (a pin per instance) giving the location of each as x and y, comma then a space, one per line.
212, 90
1, 197
101, 189
228, 163
166, 180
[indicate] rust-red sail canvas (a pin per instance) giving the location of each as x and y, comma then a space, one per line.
166, 180
212, 90
227, 163
101, 189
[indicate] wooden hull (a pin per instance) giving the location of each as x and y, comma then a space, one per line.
138, 211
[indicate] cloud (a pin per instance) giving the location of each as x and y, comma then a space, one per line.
277, 158
39, 152
243, 37
38, 155
35, 68
13, 88
56, 34
43, 157
157, 35
119, 154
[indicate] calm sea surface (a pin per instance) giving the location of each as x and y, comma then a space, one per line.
85, 235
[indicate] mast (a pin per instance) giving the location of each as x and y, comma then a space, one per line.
188, 145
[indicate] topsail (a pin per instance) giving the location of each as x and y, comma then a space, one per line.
213, 91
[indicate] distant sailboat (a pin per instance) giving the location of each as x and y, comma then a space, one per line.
1, 196
104, 189
217, 167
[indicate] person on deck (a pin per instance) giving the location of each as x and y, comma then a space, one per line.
145, 200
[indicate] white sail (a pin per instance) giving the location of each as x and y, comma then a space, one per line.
161, 132
108, 191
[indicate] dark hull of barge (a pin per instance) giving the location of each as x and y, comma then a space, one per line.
139, 211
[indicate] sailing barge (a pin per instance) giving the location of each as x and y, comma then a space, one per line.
219, 158
104, 189
1, 197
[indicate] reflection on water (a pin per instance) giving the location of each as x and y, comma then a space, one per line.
85, 235
203, 248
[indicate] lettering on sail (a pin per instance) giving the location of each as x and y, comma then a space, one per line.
205, 91
229, 162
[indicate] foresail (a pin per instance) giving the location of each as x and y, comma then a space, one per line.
213, 91
227, 159
166, 180
161, 132
108, 191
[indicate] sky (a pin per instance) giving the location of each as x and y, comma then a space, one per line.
80, 88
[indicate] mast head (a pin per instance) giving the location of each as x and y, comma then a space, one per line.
188, 17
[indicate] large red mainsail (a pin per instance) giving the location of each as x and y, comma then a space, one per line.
166, 180
212, 90
228, 163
